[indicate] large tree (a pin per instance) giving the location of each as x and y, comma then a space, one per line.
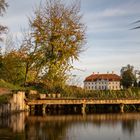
59, 35
128, 76
3, 6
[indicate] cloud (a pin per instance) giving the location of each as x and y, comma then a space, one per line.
110, 43
109, 62
112, 19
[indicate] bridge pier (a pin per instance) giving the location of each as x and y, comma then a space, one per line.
32, 109
44, 109
121, 108
75, 108
83, 109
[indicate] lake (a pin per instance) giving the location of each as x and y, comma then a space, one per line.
22, 126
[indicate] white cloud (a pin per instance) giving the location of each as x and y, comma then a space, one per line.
111, 44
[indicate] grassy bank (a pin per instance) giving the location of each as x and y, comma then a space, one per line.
77, 92
5, 98
9, 86
133, 93
6, 91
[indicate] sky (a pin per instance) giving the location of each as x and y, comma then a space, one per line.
110, 42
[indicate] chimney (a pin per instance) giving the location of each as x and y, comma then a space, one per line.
112, 72
107, 72
97, 72
93, 73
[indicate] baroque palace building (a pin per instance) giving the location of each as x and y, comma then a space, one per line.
109, 81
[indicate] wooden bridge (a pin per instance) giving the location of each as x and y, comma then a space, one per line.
65, 101
82, 102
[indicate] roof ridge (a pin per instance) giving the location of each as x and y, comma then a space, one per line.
109, 76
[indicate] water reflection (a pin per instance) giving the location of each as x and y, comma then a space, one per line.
13, 127
71, 127
129, 126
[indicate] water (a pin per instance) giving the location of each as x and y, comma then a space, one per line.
71, 127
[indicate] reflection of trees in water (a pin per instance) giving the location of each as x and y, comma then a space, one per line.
7, 134
46, 130
129, 126
56, 127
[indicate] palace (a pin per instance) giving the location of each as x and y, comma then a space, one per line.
102, 82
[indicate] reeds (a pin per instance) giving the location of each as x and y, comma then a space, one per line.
131, 93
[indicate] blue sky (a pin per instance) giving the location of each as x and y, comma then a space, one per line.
110, 42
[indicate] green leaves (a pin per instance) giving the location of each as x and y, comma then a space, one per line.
128, 77
12, 69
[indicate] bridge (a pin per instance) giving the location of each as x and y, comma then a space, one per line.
82, 102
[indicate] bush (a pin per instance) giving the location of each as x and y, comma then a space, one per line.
5, 98
7, 85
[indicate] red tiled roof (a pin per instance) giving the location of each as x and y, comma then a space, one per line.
110, 77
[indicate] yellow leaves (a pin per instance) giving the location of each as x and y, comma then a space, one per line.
58, 33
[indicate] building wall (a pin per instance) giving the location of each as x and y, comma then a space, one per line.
102, 85
114, 85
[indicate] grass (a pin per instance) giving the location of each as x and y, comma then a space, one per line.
133, 93
5, 88
10, 86
77, 92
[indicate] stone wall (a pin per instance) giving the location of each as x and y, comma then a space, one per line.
16, 103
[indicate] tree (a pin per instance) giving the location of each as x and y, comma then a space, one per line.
0, 57
137, 27
31, 57
139, 84
12, 69
12, 66
3, 6
59, 35
128, 76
